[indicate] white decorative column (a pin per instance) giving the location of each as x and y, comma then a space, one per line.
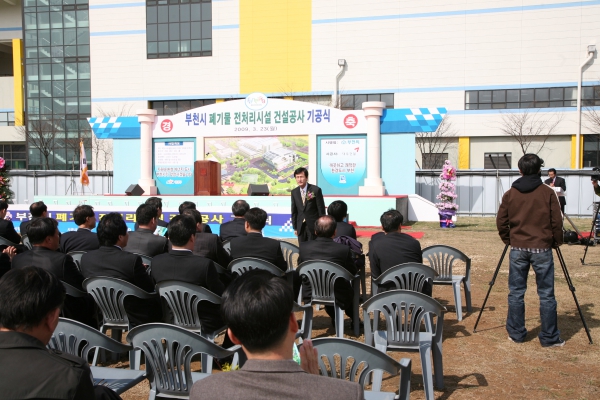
373, 182
146, 118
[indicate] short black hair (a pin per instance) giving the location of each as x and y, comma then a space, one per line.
301, 170
40, 228
186, 205
154, 201
325, 226
194, 214
240, 207
37, 209
257, 308
338, 210
550, 170
81, 213
256, 217
144, 213
111, 226
530, 164
3, 205
27, 295
391, 220
181, 228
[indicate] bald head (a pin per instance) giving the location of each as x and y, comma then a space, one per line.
325, 226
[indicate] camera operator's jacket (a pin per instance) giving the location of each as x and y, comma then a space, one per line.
529, 216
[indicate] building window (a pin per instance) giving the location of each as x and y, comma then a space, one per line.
7, 118
172, 107
434, 160
354, 101
15, 155
497, 161
591, 151
178, 28
530, 98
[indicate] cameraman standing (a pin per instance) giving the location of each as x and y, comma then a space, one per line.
530, 221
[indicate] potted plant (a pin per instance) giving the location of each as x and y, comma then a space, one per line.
447, 207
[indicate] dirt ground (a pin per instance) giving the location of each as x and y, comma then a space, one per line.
486, 364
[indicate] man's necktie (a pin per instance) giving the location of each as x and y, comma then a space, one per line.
303, 194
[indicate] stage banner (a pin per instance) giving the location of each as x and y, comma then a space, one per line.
342, 163
174, 166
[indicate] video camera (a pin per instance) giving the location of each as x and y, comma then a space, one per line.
596, 175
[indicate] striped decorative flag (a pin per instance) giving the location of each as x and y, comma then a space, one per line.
83, 176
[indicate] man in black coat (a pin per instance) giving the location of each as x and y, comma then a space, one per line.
235, 227
190, 205
307, 206
83, 239
207, 244
323, 248
143, 240
43, 235
180, 264
339, 210
37, 210
556, 181
393, 248
7, 229
111, 261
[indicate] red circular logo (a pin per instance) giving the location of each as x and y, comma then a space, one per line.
166, 125
350, 121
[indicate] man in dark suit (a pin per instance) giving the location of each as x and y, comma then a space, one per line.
181, 264
156, 202
307, 206
112, 262
207, 244
83, 239
43, 235
37, 210
556, 181
393, 248
143, 240
7, 229
323, 248
339, 210
235, 227
252, 302
189, 205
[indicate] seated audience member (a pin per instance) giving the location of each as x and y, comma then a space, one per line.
6, 258
235, 227
83, 239
30, 302
189, 205
156, 202
323, 248
338, 210
180, 264
257, 308
7, 229
111, 261
393, 248
143, 240
37, 210
208, 244
43, 235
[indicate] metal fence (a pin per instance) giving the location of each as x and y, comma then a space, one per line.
480, 191
27, 184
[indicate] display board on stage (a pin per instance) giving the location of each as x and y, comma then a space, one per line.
342, 163
173, 166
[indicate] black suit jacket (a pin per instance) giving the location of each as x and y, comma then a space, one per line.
558, 182
144, 241
345, 229
80, 240
64, 268
257, 246
8, 232
24, 225
392, 249
183, 265
112, 262
234, 228
310, 211
210, 246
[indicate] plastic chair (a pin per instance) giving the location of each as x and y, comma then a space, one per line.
227, 246
76, 255
363, 360
245, 264
146, 260
405, 312
441, 258
305, 331
183, 299
26, 242
78, 339
407, 276
169, 350
6, 242
289, 250
109, 294
322, 276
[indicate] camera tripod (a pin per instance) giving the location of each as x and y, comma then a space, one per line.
567, 278
590, 238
